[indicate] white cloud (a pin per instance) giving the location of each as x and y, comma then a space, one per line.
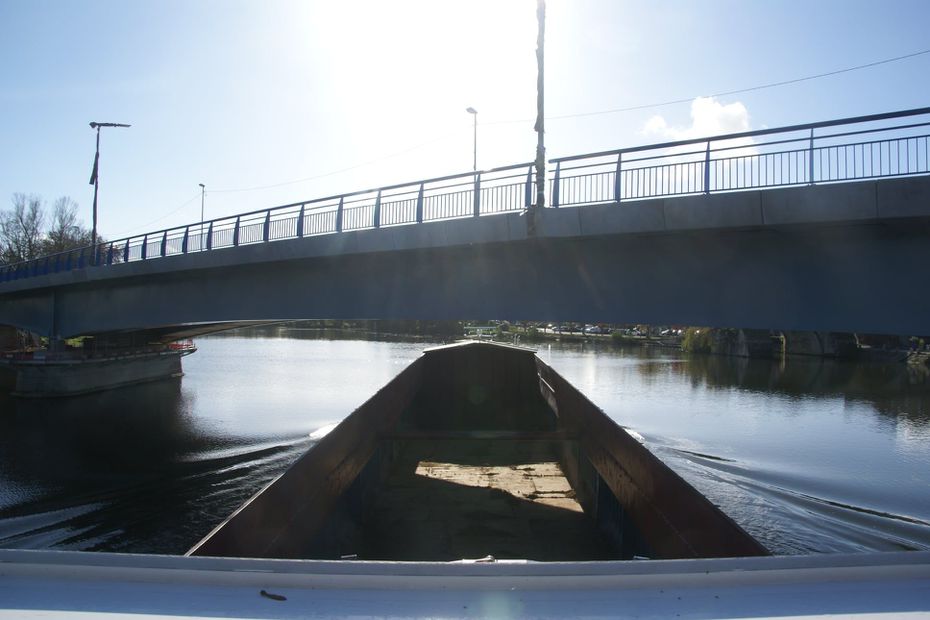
735, 163
709, 117
656, 125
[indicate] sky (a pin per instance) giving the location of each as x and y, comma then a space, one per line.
277, 101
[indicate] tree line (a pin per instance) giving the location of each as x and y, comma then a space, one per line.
28, 230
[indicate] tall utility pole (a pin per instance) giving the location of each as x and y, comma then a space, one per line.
203, 189
95, 181
540, 126
474, 113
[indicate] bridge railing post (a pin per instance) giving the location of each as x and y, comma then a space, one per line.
419, 214
267, 227
184, 241
556, 183
210, 236
707, 169
164, 244
810, 159
617, 177
376, 216
476, 202
236, 233
300, 221
145, 246
125, 254
339, 213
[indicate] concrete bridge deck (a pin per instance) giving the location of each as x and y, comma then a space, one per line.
840, 257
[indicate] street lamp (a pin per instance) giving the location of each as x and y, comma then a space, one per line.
203, 189
95, 181
474, 114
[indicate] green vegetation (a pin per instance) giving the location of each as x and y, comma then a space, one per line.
697, 340
617, 337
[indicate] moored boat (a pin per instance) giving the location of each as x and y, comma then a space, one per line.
478, 450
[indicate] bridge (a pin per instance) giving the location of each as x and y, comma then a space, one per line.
815, 227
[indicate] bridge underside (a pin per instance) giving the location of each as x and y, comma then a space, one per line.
843, 278
610, 263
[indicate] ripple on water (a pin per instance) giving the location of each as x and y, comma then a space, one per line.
769, 503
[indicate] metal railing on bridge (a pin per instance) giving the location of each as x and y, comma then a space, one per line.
867, 147
851, 149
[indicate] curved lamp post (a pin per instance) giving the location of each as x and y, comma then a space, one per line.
95, 181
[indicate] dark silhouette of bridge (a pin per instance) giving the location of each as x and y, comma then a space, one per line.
817, 227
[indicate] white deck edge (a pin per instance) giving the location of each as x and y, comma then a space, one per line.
81, 585
501, 574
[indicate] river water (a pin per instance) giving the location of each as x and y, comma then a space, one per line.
808, 455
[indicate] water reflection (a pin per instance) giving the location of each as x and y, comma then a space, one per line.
79, 440
128, 469
895, 389
892, 389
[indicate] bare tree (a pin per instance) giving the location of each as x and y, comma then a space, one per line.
65, 231
21, 229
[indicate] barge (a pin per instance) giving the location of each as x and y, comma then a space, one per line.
479, 451
44, 374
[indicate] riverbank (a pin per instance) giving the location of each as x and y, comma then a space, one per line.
758, 344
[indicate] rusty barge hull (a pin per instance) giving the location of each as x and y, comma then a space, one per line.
478, 450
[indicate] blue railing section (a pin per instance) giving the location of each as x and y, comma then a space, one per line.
867, 147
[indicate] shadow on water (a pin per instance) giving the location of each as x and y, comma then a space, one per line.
122, 470
891, 389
